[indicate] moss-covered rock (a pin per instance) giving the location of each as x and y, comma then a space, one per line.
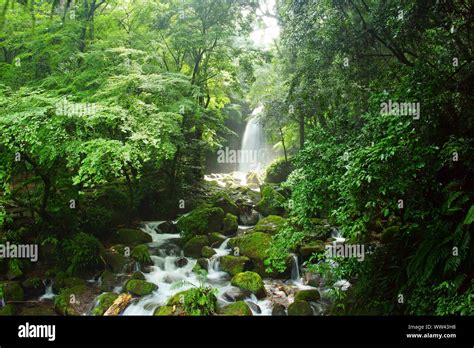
278, 171
69, 300
239, 308
117, 262
234, 264
389, 234
137, 275
33, 286
216, 239
12, 291
223, 201
107, 281
308, 295
230, 225
300, 308
140, 287
130, 236
278, 310
250, 281
193, 247
271, 224
165, 311
255, 247
272, 202
71, 282
207, 252
201, 221
141, 254
309, 249
8, 310
104, 302
203, 263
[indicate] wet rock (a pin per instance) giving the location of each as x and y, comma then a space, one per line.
278, 171
129, 236
181, 262
167, 227
308, 295
254, 307
278, 310
207, 251
223, 201
12, 291
234, 264
141, 254
107, 281
194, 246
239, 308
201, 221
272, 202
137, 275
300, 308
235, 294
271, 224
140, 287
117, 262
309, 249
230, 225
82, 296
216, 239
33, 287
248, 216
203, 263
104, 302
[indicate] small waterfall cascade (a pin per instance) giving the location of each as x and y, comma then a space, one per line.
295, 269
48, 294
253, 148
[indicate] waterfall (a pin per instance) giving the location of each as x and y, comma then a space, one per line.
295, 269
253, 148
48, 294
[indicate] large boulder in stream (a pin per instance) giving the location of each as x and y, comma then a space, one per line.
271, 224
193, 247
201, 221
130, 236
300, 308
306, 250
250, 281
239, 308
234, 294
223, 201
272, 202
308, 295
104, 302
117, 262
230, 225
141, 254
140, 287
234, 264
216, 239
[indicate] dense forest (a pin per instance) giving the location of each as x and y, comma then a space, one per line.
236, 157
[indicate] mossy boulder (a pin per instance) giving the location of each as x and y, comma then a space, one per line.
207, 252
230, 225
141, 254
193, 247
33, 286
201, 221
308, 295
104, 302
139, 287
234, 264
239, 308
70, 300
278, 310
278, 171
137, 275
271, 224
12, 291
223, 201
7, 310
272, 202
255, 247
250, 281
130, 236
107, 281
165, 311
300, 308
216, 239
306, 250
117, 262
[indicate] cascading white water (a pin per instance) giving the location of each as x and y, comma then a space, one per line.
48, 294
253, 148
295, 270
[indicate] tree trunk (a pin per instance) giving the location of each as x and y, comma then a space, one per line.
283, 143
301, 122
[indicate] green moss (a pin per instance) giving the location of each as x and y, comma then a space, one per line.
7, 310
117, 262
310, 248
104, 302
308, 295
272, 202
239, 308
12, 291
216, 238
278, 171
223, 201
234, 264
137, 275
300, 308
254, 246
201, 221
38, 311
129, 236
194, 246
62, 302
107, 281
164, 311
207, 251
140, 287
271, 224
250, 281
141, 254
230, 225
